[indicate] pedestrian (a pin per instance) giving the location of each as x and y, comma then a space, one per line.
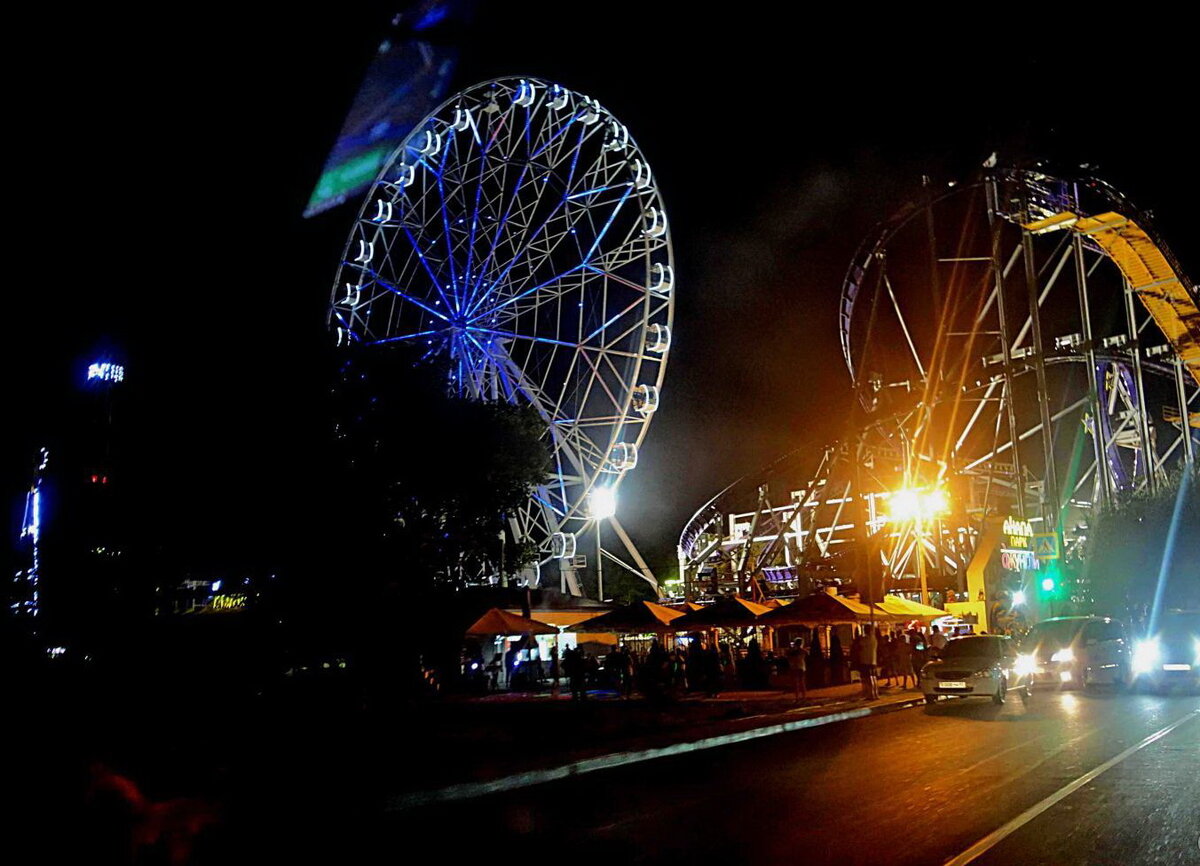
626, 672
574, 668
816, 662
870, 662
797, 661
856, 660
554, 671
887, 661
837, 661
937, 641
712, 671
903, 655
753, 666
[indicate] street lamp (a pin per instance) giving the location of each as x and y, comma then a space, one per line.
918, 505
602, 503
913, 503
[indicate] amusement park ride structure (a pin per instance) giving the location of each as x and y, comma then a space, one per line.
1020, 346
519, 234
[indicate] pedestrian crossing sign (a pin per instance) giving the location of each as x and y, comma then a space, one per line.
1045, 545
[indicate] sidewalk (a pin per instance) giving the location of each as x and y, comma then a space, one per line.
561, 737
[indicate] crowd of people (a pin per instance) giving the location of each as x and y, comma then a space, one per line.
878, 654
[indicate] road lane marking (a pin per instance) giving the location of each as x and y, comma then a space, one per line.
1022, 745
992, 839
470, 790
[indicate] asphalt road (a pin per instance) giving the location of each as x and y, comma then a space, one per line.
919, 786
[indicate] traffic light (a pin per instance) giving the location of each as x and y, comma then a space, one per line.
1050, 582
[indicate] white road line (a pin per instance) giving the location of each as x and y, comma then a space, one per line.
992, 839
468, 790
1001, 754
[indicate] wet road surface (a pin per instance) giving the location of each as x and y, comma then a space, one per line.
917, 786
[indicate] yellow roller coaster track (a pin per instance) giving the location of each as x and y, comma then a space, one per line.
1150, 276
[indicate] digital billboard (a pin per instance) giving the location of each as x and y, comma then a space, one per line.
409, 76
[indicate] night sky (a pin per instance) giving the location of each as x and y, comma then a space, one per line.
164, 160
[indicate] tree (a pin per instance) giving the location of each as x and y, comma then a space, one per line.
432, 476
1148, 535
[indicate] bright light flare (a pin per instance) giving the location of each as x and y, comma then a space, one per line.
1146, 655
1026, 665
913, 503
602, 502
905, 505
1019, 597
1063, 655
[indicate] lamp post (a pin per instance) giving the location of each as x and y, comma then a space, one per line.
602, 502
503, 576
918, 505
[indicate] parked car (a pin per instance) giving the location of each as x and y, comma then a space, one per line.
1079, 651
976, 666
1171, 655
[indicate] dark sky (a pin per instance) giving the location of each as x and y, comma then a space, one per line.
164, 160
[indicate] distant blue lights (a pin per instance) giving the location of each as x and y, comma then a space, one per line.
106, 372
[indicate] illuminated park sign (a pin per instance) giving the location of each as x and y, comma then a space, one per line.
1019, 555
106, 372
227, 602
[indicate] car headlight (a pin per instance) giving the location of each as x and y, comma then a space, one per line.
1063, 655
1145, 656
1026, 664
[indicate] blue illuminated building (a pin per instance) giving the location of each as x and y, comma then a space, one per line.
26, 596
73, 576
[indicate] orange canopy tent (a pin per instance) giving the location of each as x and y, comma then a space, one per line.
823, 608
641, 617
735, 612
497, 621
902, 608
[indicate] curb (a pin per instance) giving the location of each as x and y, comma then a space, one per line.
470, 790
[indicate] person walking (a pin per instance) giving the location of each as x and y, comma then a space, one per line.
937, 641
626, 672
903, 654
887, 660
816, 662
837, 661
797, 660
870, 661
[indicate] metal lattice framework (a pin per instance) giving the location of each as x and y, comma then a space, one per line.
998, 350
518, 232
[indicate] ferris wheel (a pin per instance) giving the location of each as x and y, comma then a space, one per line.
519, 234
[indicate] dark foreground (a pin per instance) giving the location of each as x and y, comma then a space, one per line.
308, 779
918, 786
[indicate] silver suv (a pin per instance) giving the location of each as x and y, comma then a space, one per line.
1079, 651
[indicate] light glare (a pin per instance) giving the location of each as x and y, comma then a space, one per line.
602, 502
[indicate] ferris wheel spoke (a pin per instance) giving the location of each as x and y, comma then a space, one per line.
512, 335
405, 337
483, 162
501, 224
510, 301
550, 217
599, 377
408, 297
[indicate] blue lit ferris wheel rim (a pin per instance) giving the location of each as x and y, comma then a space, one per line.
516, 203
